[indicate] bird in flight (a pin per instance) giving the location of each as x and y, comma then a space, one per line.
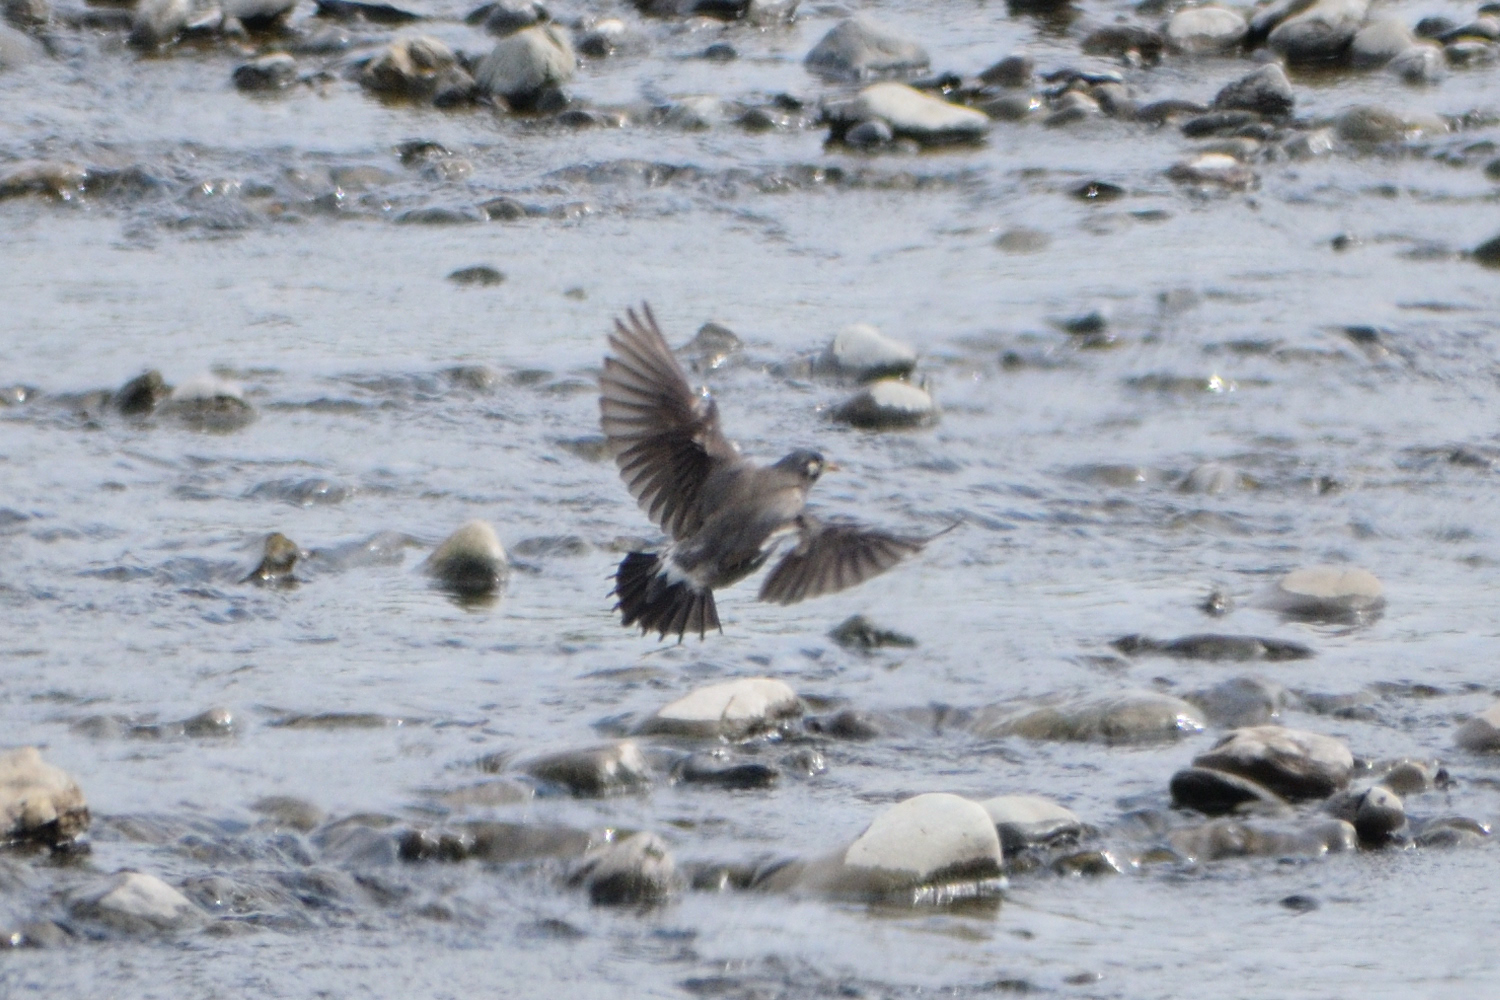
725, 515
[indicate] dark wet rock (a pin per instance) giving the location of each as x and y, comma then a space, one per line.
142, 394
508, 16
1379, 41
289, 812
931, 848
889, 404
1210, 646
1124, 40
1241, 701
859, 48
1074, 106
260, 15
1215, 793
278, 562
1376, 813
39, 803
1014, 72
1265, 91
1321, 33
1218, 123
25, 14
469, 562
1161, 112
870, 135
1293, 763
1329, 593
1097, 191
911, 114
848, 724
503, 210
58, 180
1213, 170
1221, 839
604, 770
1206, 29
1131, 717
1218, 603
1299, 903
1024, 821
137, 903
717, 770
208, 404
733, 709
1487, 253
1087, 864
498, 843
158, 22
609, 36
271, 72
1453, 831
1481, 734
410, 68
1009, 107
375, 13
1370, 125
1471, 52
719, 52
1410, 777
527, 66
858, 632
636, 871
212, 722
480, 275
861, 351
711, 346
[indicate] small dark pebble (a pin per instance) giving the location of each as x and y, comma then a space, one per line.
720, 52
1299, 903
1488, 252
858, 632
1099, 191
845, 725
142, 394
480, 274
1217, 603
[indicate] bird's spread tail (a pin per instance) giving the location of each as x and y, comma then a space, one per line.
650, 599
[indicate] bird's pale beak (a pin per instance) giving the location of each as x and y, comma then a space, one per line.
831, 466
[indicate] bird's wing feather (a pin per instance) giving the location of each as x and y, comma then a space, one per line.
833, 556
665, 438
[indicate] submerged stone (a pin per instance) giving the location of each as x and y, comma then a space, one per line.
270, 72
1210, 646
858, 632
142, 394
1329, 593
1221, 839
1322, 33
1215, 793
1266, 91
137, 903
1131, 717
210, 404
1206, 29
910, 113
158, 22
1376, 813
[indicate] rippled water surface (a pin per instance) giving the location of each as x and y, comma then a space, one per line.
1352, 392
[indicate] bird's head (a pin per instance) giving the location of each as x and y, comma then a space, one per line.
807, 465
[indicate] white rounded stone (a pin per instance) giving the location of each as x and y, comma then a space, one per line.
926, 835
732, 708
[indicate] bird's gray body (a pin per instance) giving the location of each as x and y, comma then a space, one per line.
725, 515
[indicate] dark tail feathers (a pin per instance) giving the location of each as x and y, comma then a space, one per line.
647, 599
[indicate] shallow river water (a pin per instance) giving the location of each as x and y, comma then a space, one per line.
1321, 336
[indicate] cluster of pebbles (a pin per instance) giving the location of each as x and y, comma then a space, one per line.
1261, 790
879, 88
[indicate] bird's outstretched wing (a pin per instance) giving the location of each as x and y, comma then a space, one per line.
832, 556
664, 436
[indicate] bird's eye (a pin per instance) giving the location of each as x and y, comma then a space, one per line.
814, 468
